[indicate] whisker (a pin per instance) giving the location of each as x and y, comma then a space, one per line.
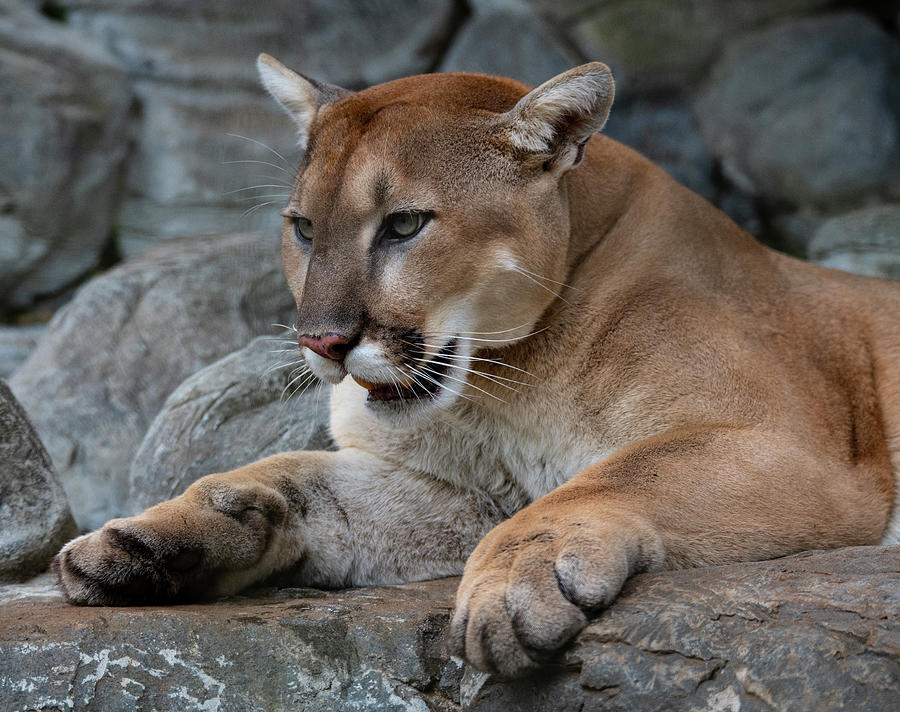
436, 382
465, 383
460, 357
539, 284
265, 195
257, 207
490, 376
265, 163
292, 328
489, 341
260, 143
254, 187
488, 333
540, 276
307, 380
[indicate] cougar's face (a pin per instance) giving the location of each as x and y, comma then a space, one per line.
414, 242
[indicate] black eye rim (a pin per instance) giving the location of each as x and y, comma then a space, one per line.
388, 233
298, 235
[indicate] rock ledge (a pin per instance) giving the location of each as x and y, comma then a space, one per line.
820, 629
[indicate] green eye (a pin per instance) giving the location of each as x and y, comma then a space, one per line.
400, 226
303, 229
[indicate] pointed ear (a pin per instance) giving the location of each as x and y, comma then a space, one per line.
300, 96
557, 119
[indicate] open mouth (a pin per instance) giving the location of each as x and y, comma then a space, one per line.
425, 380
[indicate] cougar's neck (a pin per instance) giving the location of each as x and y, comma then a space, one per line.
600, 192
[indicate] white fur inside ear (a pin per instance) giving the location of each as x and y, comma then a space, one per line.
296, 94
571, 107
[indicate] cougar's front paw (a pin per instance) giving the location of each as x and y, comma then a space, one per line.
126, 564
212, 540
528, 590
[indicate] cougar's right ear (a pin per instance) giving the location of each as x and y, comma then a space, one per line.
300, 96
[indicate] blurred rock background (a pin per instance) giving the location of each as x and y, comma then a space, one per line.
141, 169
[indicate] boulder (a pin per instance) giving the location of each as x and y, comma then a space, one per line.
865, 241
531, 51
33, 508
16, 344
194, 66
111, 357
808, 112
63, 145
655, 44
202, 164
216, 44
665, 130
235, 411
816, 631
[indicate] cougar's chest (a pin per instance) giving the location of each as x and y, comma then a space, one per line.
513, 460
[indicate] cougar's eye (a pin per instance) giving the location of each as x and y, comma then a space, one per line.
402, 226
303, 229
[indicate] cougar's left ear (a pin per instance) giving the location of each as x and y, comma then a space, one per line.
300, 96
557, 119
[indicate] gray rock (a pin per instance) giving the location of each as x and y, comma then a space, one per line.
128, 338
340, 41
865, 241
188, 175
653, 44
196, 83
808, 112
16, 344
235, 411
665, 131
530, 51
33, 508
63, 143
816, 631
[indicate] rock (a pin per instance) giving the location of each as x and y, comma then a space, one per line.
808, 112
33, 508
865, 241
216, 44
233, 412
816, 631
655, 44
188, 175
531, 53
63, 143
196, 83
665, 131
16, 344
128, 338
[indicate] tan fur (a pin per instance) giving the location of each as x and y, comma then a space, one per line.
647, 386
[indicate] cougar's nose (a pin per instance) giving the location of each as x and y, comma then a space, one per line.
330, 346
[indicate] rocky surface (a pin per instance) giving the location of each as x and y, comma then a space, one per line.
865, 241
531, 53
654, 44
114, 354
250, 404
815, 631
193, 66
16, 345
63, 145
35, 515
756, 112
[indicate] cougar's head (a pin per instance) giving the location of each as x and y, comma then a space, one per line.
428, 222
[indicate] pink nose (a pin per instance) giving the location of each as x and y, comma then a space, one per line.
330, 346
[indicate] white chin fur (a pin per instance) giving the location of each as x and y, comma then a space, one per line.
325, 369
369, 362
